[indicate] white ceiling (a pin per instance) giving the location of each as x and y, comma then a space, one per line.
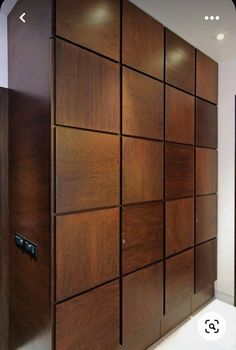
186, 18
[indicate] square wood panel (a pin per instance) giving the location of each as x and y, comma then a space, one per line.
89, 321
206, 171
202, 297
142, 170
94, 24
179, 280
179, 225
142, 235
87, 170
87, 89
180, 62
142, 307
207, 78
180, 117
143, 105
87, 250
206, 218
206, 264
143, 41
206, 124
179, 169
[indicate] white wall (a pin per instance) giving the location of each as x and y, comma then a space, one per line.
3, 51
226, 168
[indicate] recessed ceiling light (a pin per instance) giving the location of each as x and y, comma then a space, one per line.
220, 36
212, 18
217, 18
206, 18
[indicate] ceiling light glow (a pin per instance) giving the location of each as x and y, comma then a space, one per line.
217, 18
220, 36
212, 18
206, 18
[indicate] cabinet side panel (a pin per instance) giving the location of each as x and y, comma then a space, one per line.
29, 83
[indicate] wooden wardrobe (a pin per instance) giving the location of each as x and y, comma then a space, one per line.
113, 176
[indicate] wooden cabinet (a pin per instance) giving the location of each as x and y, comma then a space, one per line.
87, 89
87, 170
207, 78
206, 218
179, 171
142, 235
206, 171
179, 280
143, 105
206, 124
142, 170
89, 321
143, 41
87, 250
180, 62
94, 24
113, 176
179, 225
142, 307
179, 116
206, 264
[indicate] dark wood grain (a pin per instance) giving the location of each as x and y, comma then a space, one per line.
180, 62
206, 218
179, 163
143, 41
4, 222
142, 170
87, 250
94, 24
202, 297
175, 317
142, 307
87, 89
206, 171
179, 225
179, 116
87, 170
179, 280
89, 321
30, 169
206, 124
206, 264
207, 78
143, 105
142, 235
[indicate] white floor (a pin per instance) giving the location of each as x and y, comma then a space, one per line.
186, 337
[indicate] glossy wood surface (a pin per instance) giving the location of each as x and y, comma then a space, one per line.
206, 124
87, 89
142, 307
87, 250
207, 78
179, 171
180, 62
94, 24
206, 171
179, 225
202, 297
87, 170
143, 105
143, 41
206, 264
142, 235
179, 280
206, 218
142, 170
179, 116
89, 321
30, 169
4, 221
